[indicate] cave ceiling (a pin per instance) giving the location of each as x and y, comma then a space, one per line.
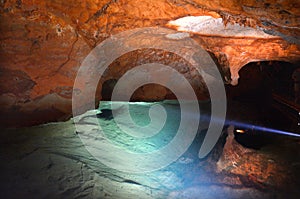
44, 42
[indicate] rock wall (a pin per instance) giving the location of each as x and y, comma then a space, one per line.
44, 42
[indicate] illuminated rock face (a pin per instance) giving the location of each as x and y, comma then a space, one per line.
44, 42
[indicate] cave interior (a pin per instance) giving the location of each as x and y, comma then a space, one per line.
150, 99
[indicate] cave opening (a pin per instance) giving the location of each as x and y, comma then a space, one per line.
261, 88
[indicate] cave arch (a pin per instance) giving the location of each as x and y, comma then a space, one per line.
149, 92
260, 85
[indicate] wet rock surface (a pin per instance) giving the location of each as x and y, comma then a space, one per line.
50, 161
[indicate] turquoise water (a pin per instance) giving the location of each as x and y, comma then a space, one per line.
140, 115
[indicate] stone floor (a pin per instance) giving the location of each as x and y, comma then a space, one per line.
50, 161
